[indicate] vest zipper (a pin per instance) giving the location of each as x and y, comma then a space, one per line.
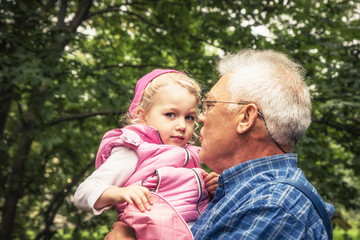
158, 181
187, 156
156, 189
159, 136
199, 188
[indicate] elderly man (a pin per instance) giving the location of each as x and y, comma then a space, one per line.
252, 118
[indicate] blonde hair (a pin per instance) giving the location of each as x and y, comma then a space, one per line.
161, 81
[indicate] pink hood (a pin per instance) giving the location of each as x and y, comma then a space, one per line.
141, 85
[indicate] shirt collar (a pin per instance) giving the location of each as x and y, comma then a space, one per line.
243, 172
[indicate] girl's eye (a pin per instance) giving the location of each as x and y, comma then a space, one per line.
190, 118
170, 115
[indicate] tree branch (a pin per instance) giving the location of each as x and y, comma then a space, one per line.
81, 14
62, 13
353, 131
58, 200
208, 43
80, 116
136, 66
144, 19
50, 5
116, 8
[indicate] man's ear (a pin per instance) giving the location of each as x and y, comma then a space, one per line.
140, 115
247, 118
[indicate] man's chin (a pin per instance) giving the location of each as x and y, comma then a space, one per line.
202, 156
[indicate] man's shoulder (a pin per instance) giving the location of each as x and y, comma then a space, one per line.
262, 206
262, 191
289, 201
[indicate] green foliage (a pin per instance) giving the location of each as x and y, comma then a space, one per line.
68, 70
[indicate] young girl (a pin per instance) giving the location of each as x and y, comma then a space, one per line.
152, 153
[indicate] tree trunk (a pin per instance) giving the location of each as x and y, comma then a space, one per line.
15, 188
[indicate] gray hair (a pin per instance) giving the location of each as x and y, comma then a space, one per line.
276, 85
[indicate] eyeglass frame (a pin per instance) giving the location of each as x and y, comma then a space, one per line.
204, 109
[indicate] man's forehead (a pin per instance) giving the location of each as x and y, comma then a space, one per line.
214, 92
208, 95
220, 89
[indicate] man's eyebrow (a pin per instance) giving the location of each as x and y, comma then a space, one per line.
207, 96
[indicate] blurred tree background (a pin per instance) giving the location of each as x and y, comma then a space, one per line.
68, 70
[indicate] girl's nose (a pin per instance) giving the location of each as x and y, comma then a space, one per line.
181, 125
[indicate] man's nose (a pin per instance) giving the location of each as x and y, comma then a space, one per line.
201, 118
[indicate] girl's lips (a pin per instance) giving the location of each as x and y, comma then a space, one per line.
178, 137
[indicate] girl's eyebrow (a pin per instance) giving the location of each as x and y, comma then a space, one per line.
176, 108
193, 112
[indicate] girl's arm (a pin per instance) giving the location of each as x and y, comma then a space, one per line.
131, 194
113, 172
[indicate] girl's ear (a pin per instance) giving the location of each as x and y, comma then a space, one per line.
140, 114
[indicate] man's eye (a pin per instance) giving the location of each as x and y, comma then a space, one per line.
209, 105
170, 115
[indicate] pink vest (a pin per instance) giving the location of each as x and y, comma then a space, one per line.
162, 222
171, 171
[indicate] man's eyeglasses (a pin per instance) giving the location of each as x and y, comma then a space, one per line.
205, 105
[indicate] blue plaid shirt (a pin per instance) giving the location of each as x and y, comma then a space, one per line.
249, 205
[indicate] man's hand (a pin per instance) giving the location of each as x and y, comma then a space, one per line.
121, 231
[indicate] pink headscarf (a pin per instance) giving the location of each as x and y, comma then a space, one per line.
141, 85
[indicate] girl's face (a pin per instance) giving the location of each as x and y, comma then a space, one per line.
173, 114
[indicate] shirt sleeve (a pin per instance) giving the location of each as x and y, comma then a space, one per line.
113, 172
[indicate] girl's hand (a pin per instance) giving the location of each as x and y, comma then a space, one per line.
134, 194
211, 182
